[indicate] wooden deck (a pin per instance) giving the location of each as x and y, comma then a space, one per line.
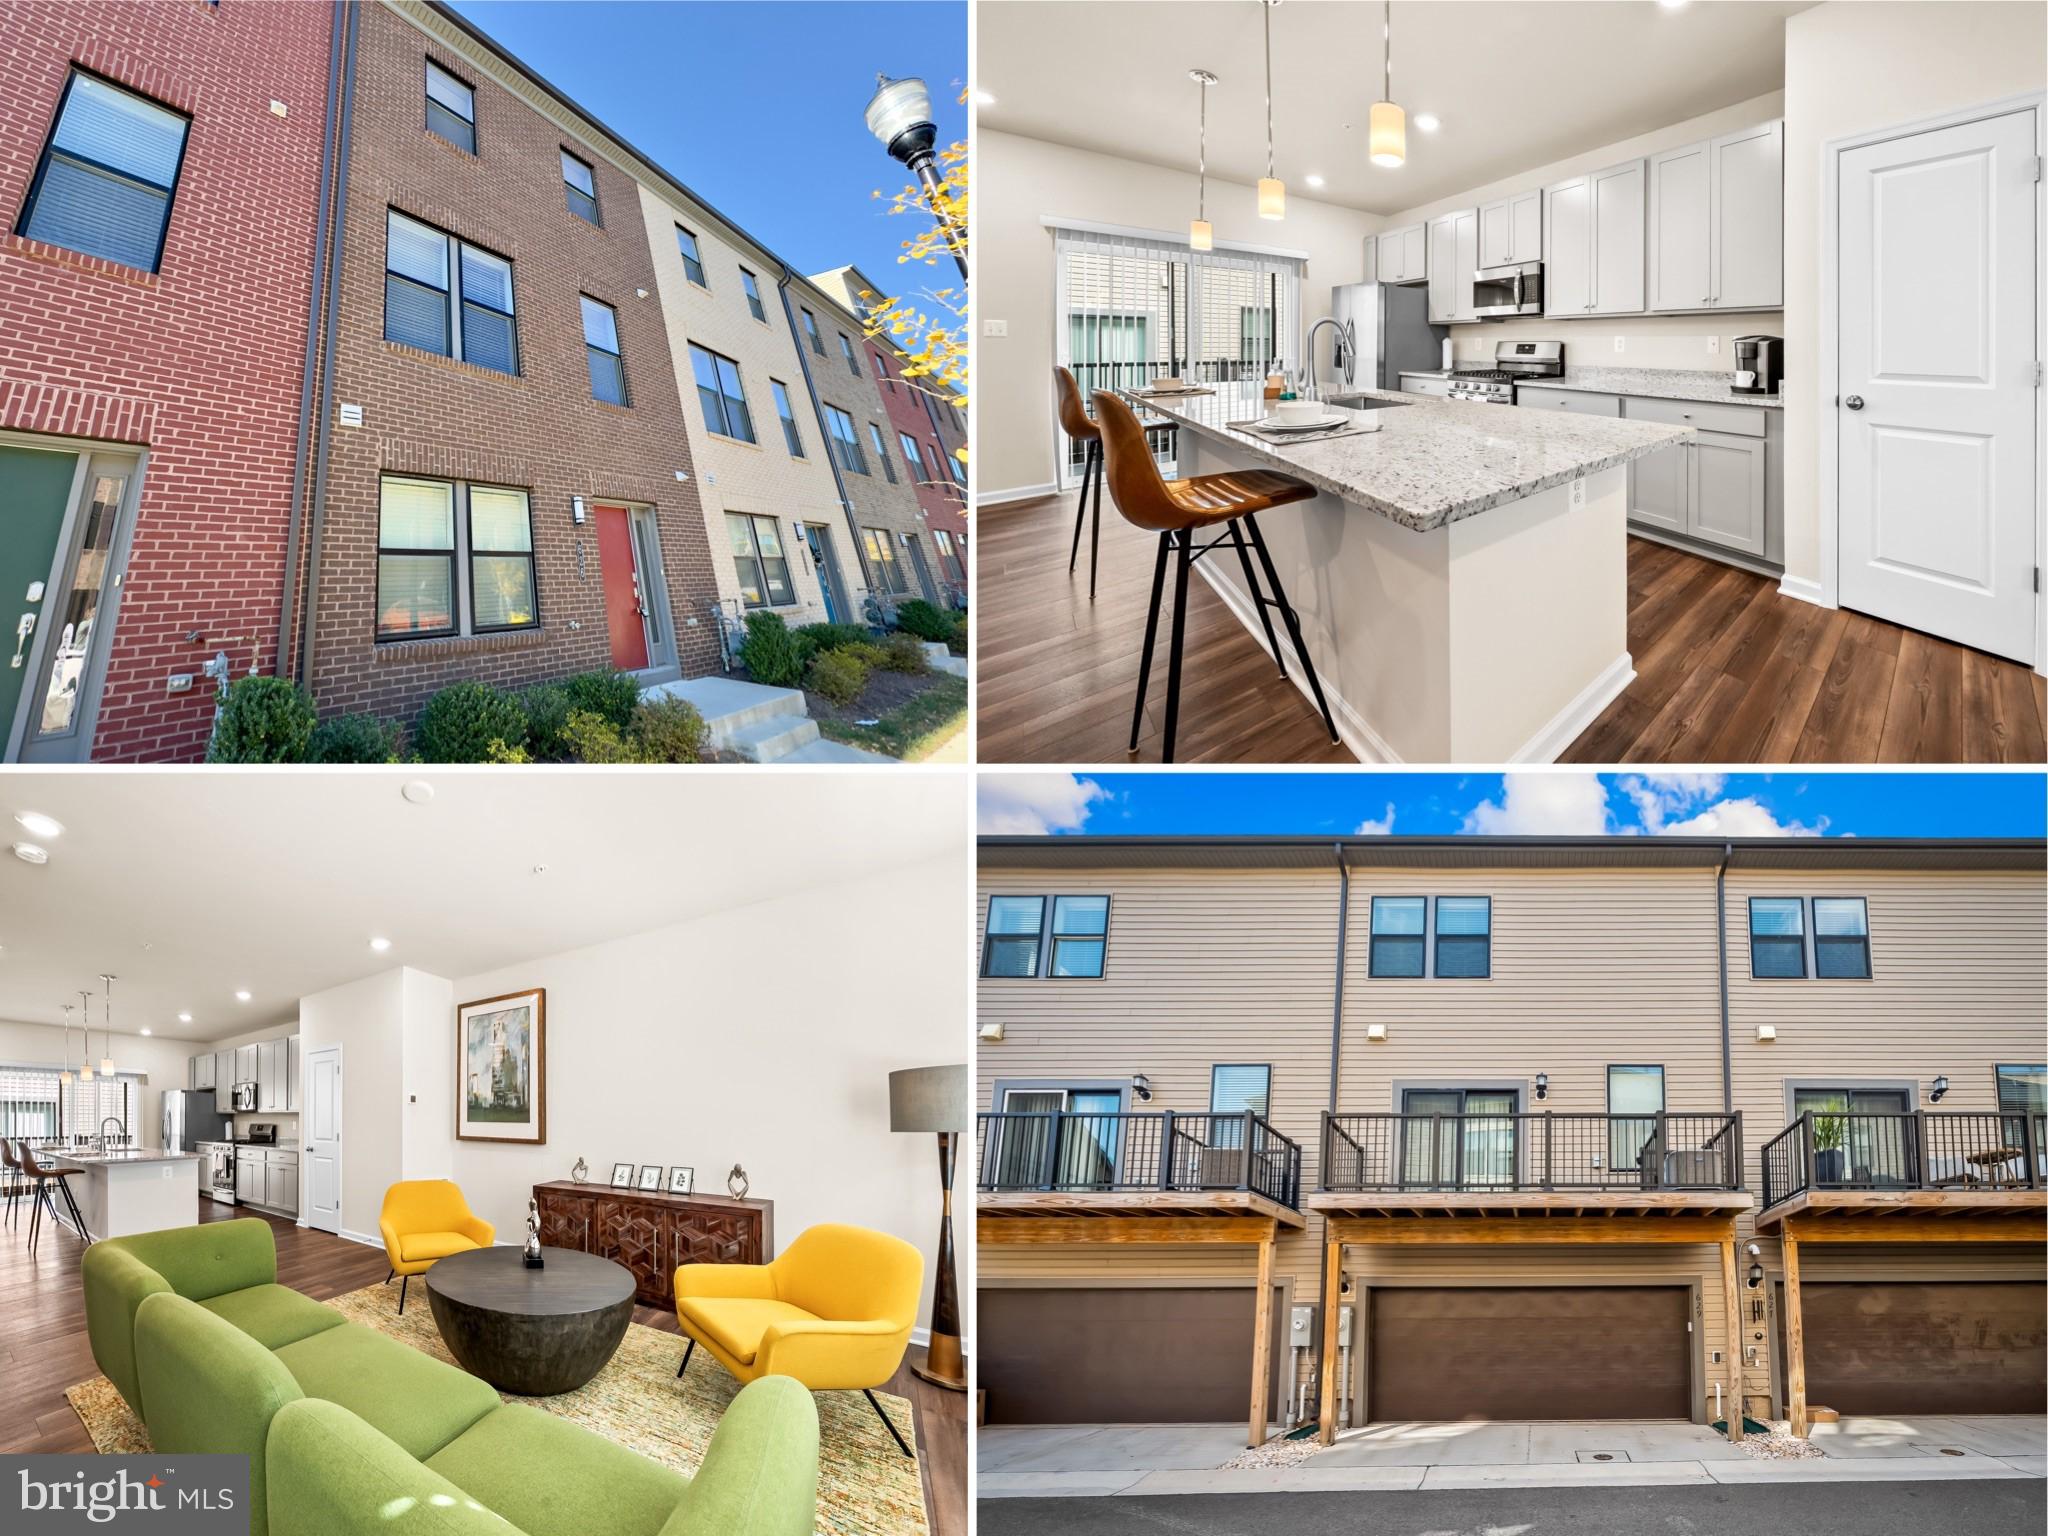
1018, 1207
1812, 1208
1528, 1207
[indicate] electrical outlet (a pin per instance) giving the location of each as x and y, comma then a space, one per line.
1578, 493
995, 327
1621, 343
1713, 345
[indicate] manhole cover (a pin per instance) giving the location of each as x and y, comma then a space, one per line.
1949, 1450
1585, 1456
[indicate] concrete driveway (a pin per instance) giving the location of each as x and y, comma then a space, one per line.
2020, 1440
1477, 1444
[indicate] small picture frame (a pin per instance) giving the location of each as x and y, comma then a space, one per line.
682, 1181
622, 1175
650, 1176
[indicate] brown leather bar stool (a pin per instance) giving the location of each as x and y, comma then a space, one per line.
12, 1180
1076, 423
1174, 510
40, 1180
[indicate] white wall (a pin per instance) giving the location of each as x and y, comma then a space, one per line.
427, 1076
1854, 68
762, 1036
1649, 341
366, 1019
162, 1063
1017, 182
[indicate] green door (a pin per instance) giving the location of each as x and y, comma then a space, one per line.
35, 488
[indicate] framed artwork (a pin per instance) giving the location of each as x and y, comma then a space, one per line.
622, 1175
650, 1176
501, 1069
682, 1181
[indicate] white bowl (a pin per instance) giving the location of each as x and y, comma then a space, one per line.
1172, 383
1293, 412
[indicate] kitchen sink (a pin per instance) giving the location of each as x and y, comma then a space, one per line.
1365, 402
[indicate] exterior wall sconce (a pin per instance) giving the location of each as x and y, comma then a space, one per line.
1767, 1031
1756, 1275
1141, 1085
1542, 1085
1376, 1034
576, 513
991, 1034
1940, 1088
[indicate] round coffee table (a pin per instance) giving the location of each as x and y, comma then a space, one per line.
534, 1332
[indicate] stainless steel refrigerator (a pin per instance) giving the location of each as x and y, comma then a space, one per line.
190, 1118
1387, 332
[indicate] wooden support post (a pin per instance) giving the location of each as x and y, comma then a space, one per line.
1732, 1297
1795, 1340
1262, 1347
1333, 1279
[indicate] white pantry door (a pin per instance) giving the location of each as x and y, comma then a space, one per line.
322, 1150
1938, 405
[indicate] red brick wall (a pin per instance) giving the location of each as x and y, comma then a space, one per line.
200, 360
942, 503
540, 431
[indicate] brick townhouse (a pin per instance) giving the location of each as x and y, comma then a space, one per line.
1532, 1128
160, 177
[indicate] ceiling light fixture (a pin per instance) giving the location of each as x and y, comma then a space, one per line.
380, 944
36, 824
1387, 135
1200, 236
85, 1024
984, 99
64, 1077
418, 791
184, 1018
1427, 122
1672, 5
145, 1029
1272, 190
1313, 180
107, 1025
241, 997
30, 853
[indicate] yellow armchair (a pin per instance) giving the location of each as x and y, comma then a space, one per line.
424, 1220
834, 1311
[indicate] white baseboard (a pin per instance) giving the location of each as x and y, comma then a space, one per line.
921, 1336
1014, 493
359, 1237
1353, 729
1570, 723
1805, 589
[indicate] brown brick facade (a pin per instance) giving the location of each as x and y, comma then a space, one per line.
540, 431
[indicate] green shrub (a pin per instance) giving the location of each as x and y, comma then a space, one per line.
547, 711
923, 620
957, 641
832, 637
771, 653
265, 720
903, 653
500, 753
461, 722
356, 739
608, 695
670, 731
838, 675
866, 652
590, 738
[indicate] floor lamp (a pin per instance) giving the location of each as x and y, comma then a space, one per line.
933, 1100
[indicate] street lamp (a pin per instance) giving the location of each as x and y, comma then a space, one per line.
900, 115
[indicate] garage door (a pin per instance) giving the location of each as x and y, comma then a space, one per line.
1606, 1352
1925, 1347
1119, 1356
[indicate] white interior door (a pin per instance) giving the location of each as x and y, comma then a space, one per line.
1937, 411
322, 1150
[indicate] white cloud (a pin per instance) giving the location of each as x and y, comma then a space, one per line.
1741, 818
1660, 796
1024, 804
1380, 828
1565, 804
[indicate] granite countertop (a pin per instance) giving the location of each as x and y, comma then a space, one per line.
1661, 384
85, 1158
1433, 461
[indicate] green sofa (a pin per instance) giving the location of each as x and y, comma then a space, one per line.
349, 1432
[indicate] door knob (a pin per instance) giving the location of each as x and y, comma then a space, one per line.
1854, 402
22, 631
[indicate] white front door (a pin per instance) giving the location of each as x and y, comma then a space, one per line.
1937, 413
323, 1139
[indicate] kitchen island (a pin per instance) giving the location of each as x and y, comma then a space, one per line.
1461, 575
121, 1193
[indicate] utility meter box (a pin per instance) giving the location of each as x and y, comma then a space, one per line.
1301, 1327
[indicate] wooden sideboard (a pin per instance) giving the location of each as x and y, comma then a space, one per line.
651, 1233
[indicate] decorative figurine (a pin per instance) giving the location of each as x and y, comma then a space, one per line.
580, 1173
532, 1257
736, 1182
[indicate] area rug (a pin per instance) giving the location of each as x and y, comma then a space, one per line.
866, 1487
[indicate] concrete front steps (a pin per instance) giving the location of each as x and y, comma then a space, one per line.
939, 659
760, 724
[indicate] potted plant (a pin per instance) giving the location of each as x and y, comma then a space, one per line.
1827, 1149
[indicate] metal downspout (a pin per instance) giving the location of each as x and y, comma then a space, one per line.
323, 429
310, 361
860, 553
1721, 938
1336, 1048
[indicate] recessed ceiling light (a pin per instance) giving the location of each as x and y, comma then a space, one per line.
241, 997
1314, 181
29, 853
1672, 5
36, 824
380, 945
184, 1018
984, 99
145, 1031
1427, 122
418, 791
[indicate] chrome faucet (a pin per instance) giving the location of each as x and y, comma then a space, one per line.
120, 1130
1346, 339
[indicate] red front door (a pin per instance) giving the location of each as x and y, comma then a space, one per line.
621, 588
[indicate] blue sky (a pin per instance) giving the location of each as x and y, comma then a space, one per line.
1777, 804
757, 107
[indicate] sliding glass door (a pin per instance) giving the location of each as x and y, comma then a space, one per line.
1471, 1147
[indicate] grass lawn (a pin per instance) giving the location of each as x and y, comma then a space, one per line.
913, 728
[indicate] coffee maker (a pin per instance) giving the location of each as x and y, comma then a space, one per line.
1759, 365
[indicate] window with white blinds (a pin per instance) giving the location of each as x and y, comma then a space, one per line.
28, 1102
1133, 308
34, 1104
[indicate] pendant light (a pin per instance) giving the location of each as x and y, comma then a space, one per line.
1272, 190
64, 1077
1200, 237
107, 1025
85, 1024
1387, 138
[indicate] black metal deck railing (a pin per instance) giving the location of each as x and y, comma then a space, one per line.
1068, 1152
1533, 1152
1160, 435
1923, 1149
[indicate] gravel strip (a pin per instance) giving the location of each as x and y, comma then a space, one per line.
1780, 1444
1277, 1452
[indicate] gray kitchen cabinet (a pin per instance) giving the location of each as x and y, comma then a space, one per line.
1593, 243
1725, 498
1678, 243
1659, 486
1578, 402
1568, 248
270, 1075
1453, 258
224, 1081
1511, 230
1425, 384
1716, 225
1402, 255
245, 1063
281, 1181
251, 1177
291, 1073
200, 1071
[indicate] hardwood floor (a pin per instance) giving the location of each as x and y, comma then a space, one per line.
1727, 669
43, 1348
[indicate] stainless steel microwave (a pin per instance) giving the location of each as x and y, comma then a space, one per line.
245, 1096
1501, 291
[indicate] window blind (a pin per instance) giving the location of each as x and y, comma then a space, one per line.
34, 1104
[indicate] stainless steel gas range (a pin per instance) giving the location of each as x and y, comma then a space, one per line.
1514, 362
